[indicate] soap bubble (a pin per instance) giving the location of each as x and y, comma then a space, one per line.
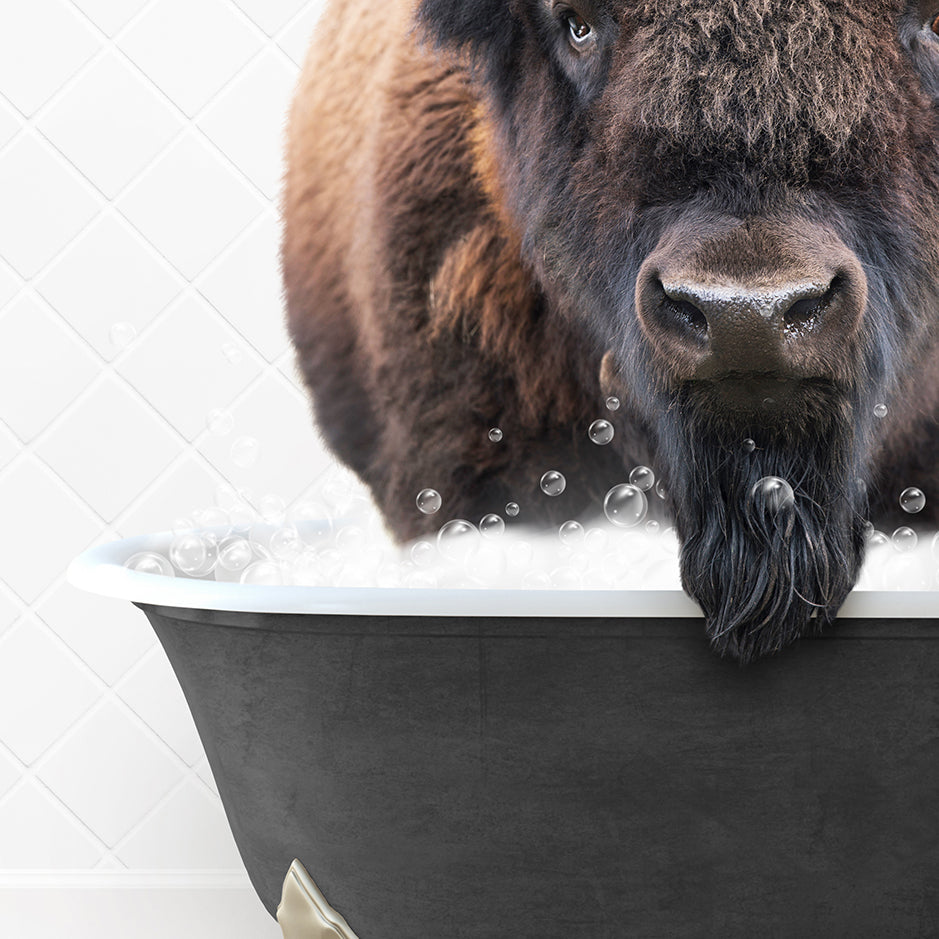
520, 554
749, 445
272, 509
234, 554
219, 422
267, 573
904, 539
193, 554
880, 410
876, 539
495, 434
660, 490
642, 478
596, 540
536, 580
912, 500
122, 335
625, 505
652, 526
600, 432
285, 543
571, 533
553, 483
457, 539
487, 566
491, 525
214, 518
241, 514
245, 451
428, 501
312, 520
149, 562
350, 538
512, 509
182, 524
232, 352
423, 553
566, 577
772, 494
612, 403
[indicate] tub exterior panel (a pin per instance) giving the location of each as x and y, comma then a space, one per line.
540, 779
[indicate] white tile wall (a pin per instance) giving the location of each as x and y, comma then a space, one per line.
140, 147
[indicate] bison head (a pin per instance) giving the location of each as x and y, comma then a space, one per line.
736, 201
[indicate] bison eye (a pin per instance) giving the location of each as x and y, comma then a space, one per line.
581, 31
934, 26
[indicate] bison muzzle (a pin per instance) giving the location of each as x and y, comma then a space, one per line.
725, 212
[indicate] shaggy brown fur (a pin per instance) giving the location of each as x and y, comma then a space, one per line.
470, 202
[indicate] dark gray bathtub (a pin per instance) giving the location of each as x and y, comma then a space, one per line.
545, 777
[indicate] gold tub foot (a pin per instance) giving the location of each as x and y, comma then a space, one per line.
303, 912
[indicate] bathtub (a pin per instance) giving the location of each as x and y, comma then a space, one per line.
540, 764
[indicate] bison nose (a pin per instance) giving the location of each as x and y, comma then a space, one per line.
752, 301
743, 328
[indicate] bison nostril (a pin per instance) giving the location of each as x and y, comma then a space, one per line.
676, 310
804, 311
690, 315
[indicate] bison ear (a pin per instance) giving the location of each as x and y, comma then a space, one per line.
464, 23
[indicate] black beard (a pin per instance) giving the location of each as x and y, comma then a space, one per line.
764, 574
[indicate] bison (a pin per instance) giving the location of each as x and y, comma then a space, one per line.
724, 212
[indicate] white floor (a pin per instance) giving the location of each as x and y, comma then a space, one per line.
128, 912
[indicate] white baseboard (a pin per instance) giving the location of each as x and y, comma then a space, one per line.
131, 905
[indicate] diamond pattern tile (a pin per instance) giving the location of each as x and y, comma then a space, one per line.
127, 444
10, 122
50, 203
152, 692
139, 288
36, 833
243, 125
108, 635
169, 42
42, 44
36, 348
244, 286
187, 486
110, 123
190, 365
188, 831
110, 15
109, 774
109, 275
30, 495
285, 463
295, 40
190, 204
42, 691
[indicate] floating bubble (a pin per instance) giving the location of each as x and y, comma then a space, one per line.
642, 478
625, 505
772, 494
350, 538
420, 580
495, 435
219, 422
749, 445
600, 432
266, 573
612, 403
312, 520
660, 490
488, 565
566, 577
553, 483
880, 410
912, 500
214, 518
536, 580
512, 509
571, 533
457, 539
904, 539
272, 509
241, 514
423, 553
193, 554
491, 525
245, 451
182, 524
122, 335
428, 501
876, 538
234, 554
652, 526
149, 562
232, 352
